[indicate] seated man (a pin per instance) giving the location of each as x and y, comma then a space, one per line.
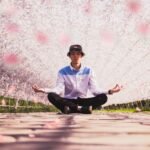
74, 81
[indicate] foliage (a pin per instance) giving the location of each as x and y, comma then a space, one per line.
143, 105
24, 106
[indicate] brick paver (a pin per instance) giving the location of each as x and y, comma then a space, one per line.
105, 131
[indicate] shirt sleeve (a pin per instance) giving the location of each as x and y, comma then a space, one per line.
93, 87
59, 88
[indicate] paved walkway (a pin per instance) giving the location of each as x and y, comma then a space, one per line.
103, 131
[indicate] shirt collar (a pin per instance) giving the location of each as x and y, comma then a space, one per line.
73, 69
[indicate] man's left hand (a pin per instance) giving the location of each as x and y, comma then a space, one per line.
116, 89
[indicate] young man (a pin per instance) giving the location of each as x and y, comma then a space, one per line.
74, 81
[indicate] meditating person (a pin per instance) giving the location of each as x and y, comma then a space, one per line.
73, 82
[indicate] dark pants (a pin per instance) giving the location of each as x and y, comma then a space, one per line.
60, 102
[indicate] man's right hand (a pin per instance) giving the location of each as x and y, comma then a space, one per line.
36, 88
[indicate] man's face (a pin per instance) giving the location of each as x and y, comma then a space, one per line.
75, 57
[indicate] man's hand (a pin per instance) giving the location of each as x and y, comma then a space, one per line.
36, 88
115, 89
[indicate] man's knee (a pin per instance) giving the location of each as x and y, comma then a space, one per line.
102, 97
51, 96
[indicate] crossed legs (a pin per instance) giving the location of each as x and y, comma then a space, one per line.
60, 102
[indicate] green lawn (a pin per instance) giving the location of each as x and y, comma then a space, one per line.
117, 110
23, 106
29, 106
140, 105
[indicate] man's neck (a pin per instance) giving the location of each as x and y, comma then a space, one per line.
76, 66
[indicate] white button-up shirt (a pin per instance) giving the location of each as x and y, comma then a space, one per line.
75, 83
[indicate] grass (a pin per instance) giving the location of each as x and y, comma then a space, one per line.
125, 110
140, 105
24, 106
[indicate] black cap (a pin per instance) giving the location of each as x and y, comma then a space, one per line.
77, 48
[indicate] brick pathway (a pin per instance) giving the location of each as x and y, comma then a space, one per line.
105, 131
